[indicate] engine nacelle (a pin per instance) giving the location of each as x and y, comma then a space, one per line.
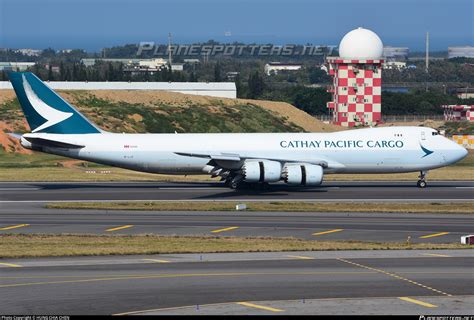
303, 174
261, 171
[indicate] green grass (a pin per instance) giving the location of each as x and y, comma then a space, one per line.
186, 118
23, 161
433, 207
163, 118
10, 110
21, 246
459, 127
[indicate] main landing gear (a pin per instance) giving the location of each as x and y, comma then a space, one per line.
237, 183
234, 182
422, 182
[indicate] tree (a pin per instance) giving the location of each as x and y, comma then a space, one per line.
62, 71
217, 72
192, 77
256, 85
50, 72
316, 75
310, 100
110, 72
74, 72
238, 85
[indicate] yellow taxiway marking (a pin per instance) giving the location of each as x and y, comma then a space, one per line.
161, 276
342, 300
14, 227
396, 276
10, 265
326, 232
421, 303
301, 257
434, 235
252, 305
119, 228
436, 255
225, 229
156, 260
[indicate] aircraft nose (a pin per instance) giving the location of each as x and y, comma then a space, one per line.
463, 152
459, 152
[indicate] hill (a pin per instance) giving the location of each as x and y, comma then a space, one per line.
167, 112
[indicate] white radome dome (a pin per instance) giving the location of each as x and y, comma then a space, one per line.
361, 43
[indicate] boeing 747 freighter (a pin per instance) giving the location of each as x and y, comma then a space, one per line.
238, 159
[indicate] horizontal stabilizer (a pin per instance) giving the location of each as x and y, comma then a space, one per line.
52, 143
15, 135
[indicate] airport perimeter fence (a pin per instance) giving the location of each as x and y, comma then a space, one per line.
396, 118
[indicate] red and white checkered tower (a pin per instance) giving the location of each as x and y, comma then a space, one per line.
357, 79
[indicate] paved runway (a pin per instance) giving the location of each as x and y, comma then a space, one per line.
420, 282
34, 218
329, 191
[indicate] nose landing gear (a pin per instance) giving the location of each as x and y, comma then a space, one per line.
422, 182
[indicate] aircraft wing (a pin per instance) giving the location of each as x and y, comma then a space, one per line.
236, 158
222, 156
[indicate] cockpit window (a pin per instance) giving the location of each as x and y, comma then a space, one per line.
435, 133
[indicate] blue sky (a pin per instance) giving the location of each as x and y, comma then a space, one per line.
95, 24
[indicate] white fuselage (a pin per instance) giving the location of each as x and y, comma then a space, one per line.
370, 150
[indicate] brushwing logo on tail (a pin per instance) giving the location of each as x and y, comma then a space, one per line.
52, 115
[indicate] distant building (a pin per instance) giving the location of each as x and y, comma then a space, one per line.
138, 65
232, 75
54, 69
458, 112
461, 52
177, 66
88, 62
192, 61
152, 63
395, 53
16, 66
465, 93
91, 61
394, 65
275, 67
214, 89
29, 52
357, 80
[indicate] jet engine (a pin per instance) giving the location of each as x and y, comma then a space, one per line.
303, 174
261, 171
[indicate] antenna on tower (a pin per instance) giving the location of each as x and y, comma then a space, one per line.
427, 57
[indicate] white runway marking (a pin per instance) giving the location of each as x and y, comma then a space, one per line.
246, 200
